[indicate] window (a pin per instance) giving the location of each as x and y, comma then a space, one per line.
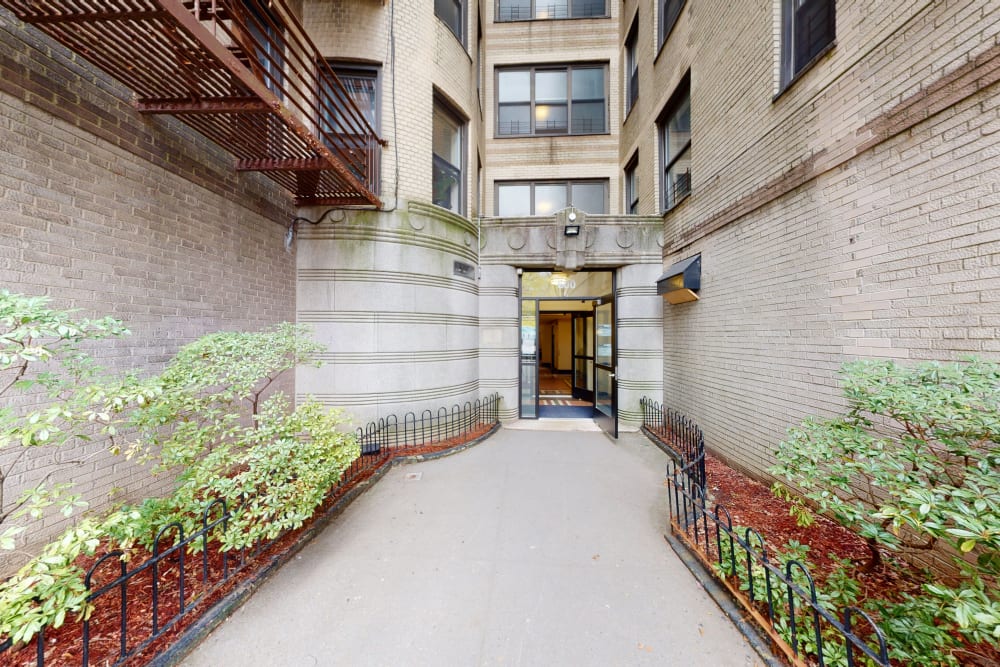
266, 43
670, 10
631, 191
631, 67
520, 198
675, 146
343, 133
551, 100
361, 85
524, 10
452, 12
808, 27
448, 149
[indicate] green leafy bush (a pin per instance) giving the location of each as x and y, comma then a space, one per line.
913, 464
210, 419
48, 387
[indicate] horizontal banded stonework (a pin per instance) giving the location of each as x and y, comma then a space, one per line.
400, 323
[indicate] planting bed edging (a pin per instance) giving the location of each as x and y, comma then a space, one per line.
724, 600
189, 640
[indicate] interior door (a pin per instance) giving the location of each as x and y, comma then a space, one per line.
583, 356
605, 358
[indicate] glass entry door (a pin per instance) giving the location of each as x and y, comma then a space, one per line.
583, 356
606, 385
529, 358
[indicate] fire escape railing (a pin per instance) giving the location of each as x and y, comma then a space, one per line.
242, 72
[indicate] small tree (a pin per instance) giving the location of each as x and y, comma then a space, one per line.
46, 383
914, 462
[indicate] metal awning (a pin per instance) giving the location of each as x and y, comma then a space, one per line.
242, 72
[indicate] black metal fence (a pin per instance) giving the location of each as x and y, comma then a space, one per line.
390, 435
678, 434
781, 596
177, 579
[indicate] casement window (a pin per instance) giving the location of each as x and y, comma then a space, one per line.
449, 158
452, 12
631, 67
675, 146
670, 11
526, 10
808, 28
521, 198
631, 189
552, 100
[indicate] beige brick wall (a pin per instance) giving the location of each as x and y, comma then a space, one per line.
538, 158
361, 31
110, 213
856, 215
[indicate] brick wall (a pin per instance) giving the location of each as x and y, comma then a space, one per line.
428, 57
855, 215
140, 218
540, 42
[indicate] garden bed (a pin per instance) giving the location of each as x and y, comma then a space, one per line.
751, 504
64, 646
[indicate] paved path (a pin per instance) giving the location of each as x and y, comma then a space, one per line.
533, 548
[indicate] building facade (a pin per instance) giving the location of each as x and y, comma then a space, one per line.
486, 192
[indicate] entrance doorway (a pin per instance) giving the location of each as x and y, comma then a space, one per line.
567, 346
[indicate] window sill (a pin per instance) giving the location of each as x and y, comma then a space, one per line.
567, 18
551, 136
677, 204
802, 72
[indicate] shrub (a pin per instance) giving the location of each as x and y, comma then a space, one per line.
914, 462
42, 363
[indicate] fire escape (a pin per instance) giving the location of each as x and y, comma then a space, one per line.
244, 73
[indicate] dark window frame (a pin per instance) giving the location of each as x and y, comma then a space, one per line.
533, 10
458, 30
438, 162
669, 13
533, 70
345, 69
808, 32
671, 196
632, 67
632, 185
568, 182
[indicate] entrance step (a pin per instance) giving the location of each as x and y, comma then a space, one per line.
553, 425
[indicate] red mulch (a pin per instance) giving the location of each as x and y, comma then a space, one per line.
751, 504
63, 646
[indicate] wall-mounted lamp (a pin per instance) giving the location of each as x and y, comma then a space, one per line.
571, 230
681, 281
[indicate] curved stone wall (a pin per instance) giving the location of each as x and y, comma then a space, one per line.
380, 290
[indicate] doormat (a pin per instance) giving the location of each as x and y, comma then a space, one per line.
563, 401
565, 411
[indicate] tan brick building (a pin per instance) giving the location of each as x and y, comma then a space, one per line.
833, 164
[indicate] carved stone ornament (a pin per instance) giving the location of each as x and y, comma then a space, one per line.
516, 239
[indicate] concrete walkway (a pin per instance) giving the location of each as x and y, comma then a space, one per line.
533, 548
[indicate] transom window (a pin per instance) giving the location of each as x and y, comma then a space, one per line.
552, 100
526, 10
808, 27
675, 146
448, 149
521, 198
